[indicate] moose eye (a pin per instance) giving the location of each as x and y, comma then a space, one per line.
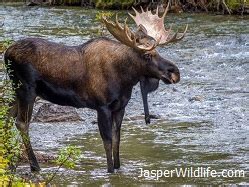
148, 56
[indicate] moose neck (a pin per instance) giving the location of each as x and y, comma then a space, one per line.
116, 60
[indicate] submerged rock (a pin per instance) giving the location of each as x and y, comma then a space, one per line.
34, 3
196, 98
41, 157
49, 112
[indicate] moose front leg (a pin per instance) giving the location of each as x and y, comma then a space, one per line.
105, 129
117, 122
145, 101
147, 85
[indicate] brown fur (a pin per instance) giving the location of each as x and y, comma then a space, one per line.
79, 65
99, 74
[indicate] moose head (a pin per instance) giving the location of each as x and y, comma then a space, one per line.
150, 33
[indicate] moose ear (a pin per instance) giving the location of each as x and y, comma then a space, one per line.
142, 38
142, 29
141, 32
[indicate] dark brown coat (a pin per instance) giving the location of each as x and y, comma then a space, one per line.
99, 74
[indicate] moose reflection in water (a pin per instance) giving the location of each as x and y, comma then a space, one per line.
99, 74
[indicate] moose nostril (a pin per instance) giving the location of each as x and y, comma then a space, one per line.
175, 77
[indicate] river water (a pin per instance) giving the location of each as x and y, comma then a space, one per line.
202, 121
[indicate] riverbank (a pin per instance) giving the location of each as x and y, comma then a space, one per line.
176, 6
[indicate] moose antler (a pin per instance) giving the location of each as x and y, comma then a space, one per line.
155, 25
125, 35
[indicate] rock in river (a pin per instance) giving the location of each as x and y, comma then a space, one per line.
49, 112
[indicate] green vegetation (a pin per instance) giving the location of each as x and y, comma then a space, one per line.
234, 4
222, 6
107, 4
98, 18
6, 43
67, 158
9, 146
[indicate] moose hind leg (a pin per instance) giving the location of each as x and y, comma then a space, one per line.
25, 108
117, 122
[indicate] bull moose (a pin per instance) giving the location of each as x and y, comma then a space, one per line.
98, 74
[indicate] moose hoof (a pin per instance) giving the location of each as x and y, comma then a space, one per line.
147, 120
116, 166
110, 170
35, 168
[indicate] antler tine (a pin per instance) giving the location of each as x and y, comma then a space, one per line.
171, 39
155, 25
185, 31
142, 9
127, 30
117, 23
133, 17
124, 34
135, 10
169, 31
157, 10
174, 37
106, 21
182, 36
166, 11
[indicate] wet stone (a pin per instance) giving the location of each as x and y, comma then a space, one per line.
41, 157
196, 98
48, 113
